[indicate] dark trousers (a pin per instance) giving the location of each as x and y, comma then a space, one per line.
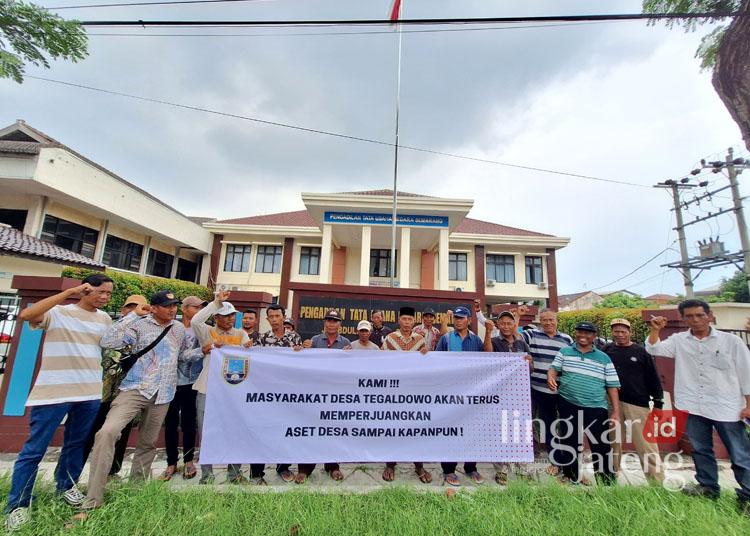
121, 445
734, 437
417, 465
308, 468
545, 409
568, 442
281, 467
181, 413
450, 467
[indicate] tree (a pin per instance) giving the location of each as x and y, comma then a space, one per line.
726, 49
28, 32
735, 288
621, 300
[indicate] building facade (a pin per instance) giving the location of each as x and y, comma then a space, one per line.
344, 239
54, 194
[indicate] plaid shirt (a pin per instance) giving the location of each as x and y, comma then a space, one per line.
155, 373
431, 335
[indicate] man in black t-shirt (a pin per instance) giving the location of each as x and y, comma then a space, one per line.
640, 386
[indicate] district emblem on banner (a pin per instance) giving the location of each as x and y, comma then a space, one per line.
235, 369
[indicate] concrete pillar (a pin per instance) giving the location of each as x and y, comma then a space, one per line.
35, 216
205, 270
443, 250
364, 257
173, 272
404, 253
325, 254
144, 257
101, 240
427, 274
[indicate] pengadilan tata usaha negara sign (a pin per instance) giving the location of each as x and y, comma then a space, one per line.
312, 309
275, 405
366, 218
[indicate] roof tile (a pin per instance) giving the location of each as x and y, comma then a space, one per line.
14, 242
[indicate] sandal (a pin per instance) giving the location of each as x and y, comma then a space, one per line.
477, 477
336, 475
189, 471
451, 479
389, 474
300, 478
425, 477
552, 470
501, 477
168, 473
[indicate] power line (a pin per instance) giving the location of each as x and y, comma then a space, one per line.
409, 22
333, 134
633, 270
372, 32
131, 4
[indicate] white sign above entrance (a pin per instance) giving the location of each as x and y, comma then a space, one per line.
366, 218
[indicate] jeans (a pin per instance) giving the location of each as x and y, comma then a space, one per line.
121, 445
43, 422
182, 413
568, 448
450, 467
734, 437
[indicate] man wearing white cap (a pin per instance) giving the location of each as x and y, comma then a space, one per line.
364, 328
223, 334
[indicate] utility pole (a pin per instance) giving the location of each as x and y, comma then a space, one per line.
675, 188
739, 212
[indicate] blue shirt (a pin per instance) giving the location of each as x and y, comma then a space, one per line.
452, 342
321, 341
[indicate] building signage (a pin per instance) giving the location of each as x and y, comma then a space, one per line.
312, 309
366, 218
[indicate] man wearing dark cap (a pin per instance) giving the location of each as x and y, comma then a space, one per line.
428, 330
587, 378
148, 388
405, 340
506, 342
332, 340
460, 340
379, 330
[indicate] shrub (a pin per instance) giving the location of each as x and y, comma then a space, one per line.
128, 284
601, 318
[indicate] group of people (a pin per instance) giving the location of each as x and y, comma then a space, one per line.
98, 376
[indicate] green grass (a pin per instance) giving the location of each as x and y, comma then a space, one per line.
522, 509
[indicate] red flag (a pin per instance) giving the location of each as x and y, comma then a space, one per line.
395, 10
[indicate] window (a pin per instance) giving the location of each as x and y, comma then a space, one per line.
534, 270
159, 263
457, 266
501, 268
186, 270
309, 261
122, 254
69, 235
14, 218
268, 260
380, 262
237, 259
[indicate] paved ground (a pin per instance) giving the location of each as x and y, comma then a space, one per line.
363, 478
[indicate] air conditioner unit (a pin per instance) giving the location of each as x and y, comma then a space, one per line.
490, 282
541, 285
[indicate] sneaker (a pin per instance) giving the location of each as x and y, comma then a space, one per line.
259, 481
73, 496
17, 518
697, 490
287, 476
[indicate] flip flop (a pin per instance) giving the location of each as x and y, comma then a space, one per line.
167, 474
425, 477
336, 475
187, 474
300, 478
389, 474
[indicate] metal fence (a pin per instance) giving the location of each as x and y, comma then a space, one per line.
741, 333
8, 314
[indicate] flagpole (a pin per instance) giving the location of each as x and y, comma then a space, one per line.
395, 153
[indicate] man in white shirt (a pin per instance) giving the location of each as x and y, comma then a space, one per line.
712, 383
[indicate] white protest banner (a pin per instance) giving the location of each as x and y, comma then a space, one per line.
275, 405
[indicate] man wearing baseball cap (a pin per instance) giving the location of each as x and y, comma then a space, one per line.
222, 334
330, 339
587, 378
364, 328
428, 330
461, 339
148, 388
640, 386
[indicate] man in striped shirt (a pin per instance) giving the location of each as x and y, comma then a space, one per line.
587, 379
543, 347
68, 387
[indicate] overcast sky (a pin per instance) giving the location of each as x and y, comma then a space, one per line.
622, 101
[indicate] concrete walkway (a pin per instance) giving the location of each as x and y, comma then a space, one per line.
363, 478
